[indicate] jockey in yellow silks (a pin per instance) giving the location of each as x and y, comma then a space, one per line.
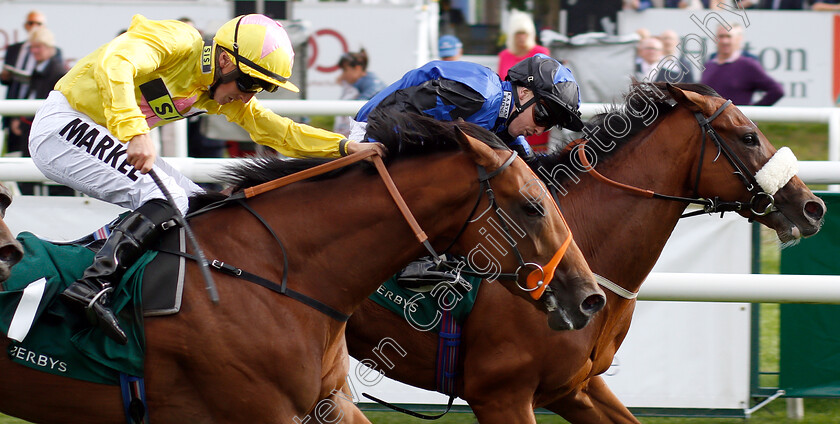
92, 133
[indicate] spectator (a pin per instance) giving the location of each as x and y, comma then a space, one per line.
642, 33
522, 44
687, 4
354, 72
781, 4
649, 63
670, 42
357, 84
18, 56
670, 4
187, 20
825, 5
450, 48
47, 71
521, 41
738, 77
450, 18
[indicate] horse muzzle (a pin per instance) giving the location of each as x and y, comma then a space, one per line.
570, 316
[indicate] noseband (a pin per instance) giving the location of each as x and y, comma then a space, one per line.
741, 170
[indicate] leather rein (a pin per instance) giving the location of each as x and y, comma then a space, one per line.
241, 197
709, 205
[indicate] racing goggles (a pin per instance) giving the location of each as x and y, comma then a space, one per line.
248, 84
544, 116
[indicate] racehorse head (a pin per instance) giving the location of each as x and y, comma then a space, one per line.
515, 229
11, 251
771, 192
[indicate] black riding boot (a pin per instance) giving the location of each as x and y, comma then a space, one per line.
128, 241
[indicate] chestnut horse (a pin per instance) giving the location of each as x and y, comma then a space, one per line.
259, 357
511, 362
10, 250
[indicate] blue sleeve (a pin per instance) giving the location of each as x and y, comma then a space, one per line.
479, 78
411, 78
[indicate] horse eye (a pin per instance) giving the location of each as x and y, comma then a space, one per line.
533, 209
750, 139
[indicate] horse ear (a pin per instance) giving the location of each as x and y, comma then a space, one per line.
481, 153
693, 101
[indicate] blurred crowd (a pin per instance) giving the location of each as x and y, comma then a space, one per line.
33, 66
746, 4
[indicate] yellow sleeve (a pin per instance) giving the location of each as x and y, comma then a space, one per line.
143, 49
286, 136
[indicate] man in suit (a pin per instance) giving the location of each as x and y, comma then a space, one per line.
650, 66
48, 69
19, 56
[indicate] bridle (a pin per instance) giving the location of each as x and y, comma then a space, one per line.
709, 206
741, 169
536, 279
536, 282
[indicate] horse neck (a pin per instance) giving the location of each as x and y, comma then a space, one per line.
622, 234
342, 249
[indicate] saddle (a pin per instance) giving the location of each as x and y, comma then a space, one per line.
162, 279
423, 274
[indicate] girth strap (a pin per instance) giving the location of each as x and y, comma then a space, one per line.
271, 285
278, 288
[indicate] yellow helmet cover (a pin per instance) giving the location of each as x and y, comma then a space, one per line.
260, 47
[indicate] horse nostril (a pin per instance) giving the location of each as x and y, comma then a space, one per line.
592, 304
814, 210
11, 254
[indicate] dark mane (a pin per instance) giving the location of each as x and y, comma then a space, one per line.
640, 97
409, 134
404, 134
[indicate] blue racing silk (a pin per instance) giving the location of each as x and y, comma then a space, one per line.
448, 90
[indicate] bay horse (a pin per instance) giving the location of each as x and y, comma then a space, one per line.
510, 363
10, 250
259, 357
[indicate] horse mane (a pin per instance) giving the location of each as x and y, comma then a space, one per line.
404, 134
657, 95
410, 134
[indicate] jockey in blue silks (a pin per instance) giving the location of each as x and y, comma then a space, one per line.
537, 94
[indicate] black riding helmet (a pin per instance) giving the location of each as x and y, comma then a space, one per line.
551, 82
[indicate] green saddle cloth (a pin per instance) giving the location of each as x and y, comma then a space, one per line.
61, 341
424, 310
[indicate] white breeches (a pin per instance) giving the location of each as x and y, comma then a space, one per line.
71, 149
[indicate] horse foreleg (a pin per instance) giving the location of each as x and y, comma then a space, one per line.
504, 411
338, 408
593, 403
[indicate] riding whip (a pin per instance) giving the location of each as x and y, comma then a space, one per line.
202, 260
